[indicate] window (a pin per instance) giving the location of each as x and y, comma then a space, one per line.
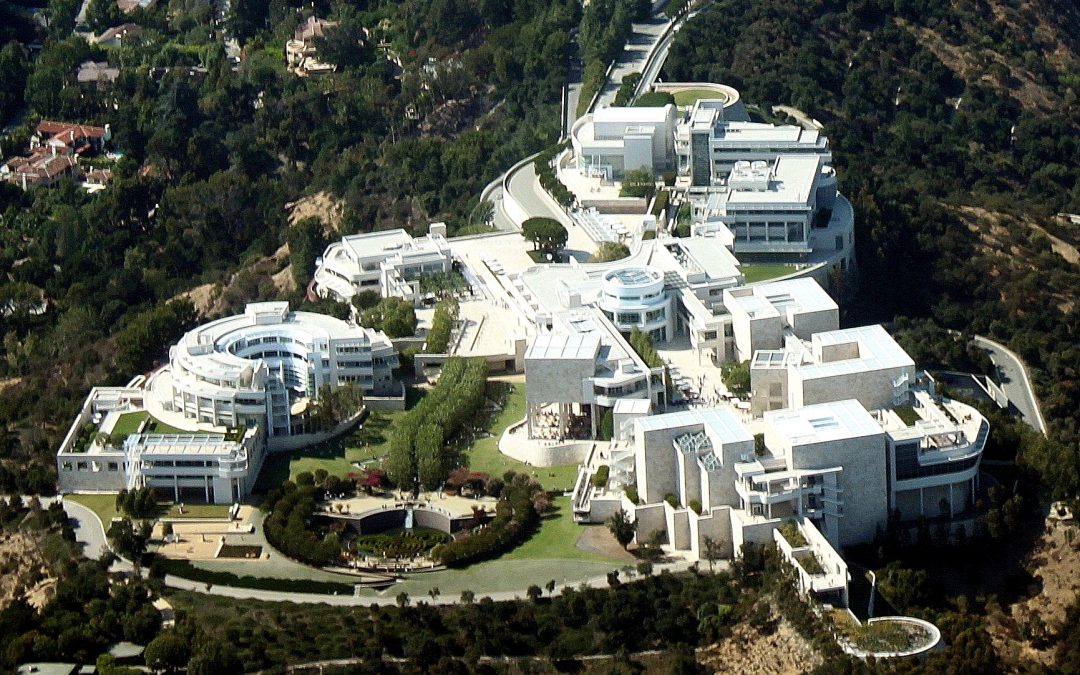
628, 317
113, 466
710, 335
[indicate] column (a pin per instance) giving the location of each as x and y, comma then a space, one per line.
206, 489
592, 419
176, 488
952, 509
921, 511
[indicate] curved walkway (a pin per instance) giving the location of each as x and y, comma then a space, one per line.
1015, 382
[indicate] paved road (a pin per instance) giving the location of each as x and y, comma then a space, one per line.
527, 191
89, 530
634, 56
1015, 382
391, 597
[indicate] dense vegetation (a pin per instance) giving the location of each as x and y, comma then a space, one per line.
86, 614
605, 28
394, 316
517, 516
419, 453
290, 508
214, 150
442, 325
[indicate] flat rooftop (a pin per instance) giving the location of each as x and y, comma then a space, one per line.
720, 423
763, 133
799, 296
578, 346
823, 423
389, 242
709, 255
876, 350
632, 115
791, 183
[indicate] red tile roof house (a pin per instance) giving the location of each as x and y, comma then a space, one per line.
40, 169
55, 149
68, 138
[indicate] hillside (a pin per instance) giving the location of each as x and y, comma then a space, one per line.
956, 133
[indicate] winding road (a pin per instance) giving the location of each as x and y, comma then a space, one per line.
1015, 382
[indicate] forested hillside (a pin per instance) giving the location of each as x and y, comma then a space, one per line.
429, 102
956, 131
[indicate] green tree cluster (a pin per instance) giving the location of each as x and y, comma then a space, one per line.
546, 234
138, 503
418, 441
608, 251
515, 519
545, 173
442, 325
394, 316
289, 509
638, 183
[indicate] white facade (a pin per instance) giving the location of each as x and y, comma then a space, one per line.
864, 363
612, 141
387, 262
767, 206
708, 144
763, 314
635, 297
215, 466
261, 367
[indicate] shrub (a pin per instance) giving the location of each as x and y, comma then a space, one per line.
660, 204
695, 506
672, 499
609, 251
600, 478
632, 494
515, 520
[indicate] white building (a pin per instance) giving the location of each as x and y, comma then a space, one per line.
635, 297
389, 262
205, 465
612, 141
768, 206
200, 426
262, 367
709, 143
863, 363
762, 315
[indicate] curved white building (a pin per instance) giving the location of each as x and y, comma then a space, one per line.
260, 368
634, 297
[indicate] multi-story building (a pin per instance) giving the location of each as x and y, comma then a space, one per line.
863, 363
263, 366
708, 144
199, 427
762, 315
202, 465
389, 262
768, 206
612, 141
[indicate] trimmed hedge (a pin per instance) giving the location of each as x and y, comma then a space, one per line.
185, 570
515, 520
600, 478
438, 338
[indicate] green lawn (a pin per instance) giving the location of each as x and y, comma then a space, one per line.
336, 456
755, 272
556, 539
128, 423
198, 511
103, 505
484, 454
689, 97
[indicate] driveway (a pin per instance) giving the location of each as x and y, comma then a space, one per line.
1015, 381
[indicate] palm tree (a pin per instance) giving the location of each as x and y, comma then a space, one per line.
403, 599
434, 593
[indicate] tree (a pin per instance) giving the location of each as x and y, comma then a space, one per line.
534, 592
638, 183
213, 657
167, 652
546, 234
711, 552
393, 316
550, 586
402, 599
366, 299
609, 251
306, 241
622, 528
434, 593
468, 597
129, 540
